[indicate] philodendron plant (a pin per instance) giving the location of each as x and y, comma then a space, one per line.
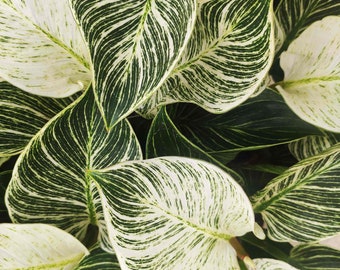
169, 134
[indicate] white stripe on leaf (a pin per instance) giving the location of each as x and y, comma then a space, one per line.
134, 45
173, 213
38, 246
303, 203
311, 85
226, 60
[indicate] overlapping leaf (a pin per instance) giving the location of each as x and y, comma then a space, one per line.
226, 60
134, 44
50, 183
38, 246
99, 259
316, 257
303, 204
259, 122
173, 213
22, 115
311, 85
41, 48
164, 130
294, 16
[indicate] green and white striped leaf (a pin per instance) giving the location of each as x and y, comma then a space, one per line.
271, 264
311, 85
312, 145
134, 45
98, 259
41, 48
38, 246
22, 115
315, 257
5, 177
173, 213
226, 60
294, 16
303, 204
50, 182
258, 123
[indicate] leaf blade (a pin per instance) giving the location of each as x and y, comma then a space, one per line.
154, 216
28, 246
311, 86
143, 40
30, 39
301, 204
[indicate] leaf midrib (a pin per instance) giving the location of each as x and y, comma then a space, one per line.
192, 225
298, 184
306, 81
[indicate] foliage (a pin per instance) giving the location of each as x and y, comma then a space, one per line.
182, 134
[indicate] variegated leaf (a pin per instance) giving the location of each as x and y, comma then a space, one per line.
311, 85
99, 259
315, 257
303, 204
312, 145
50, 183
294, 16
134, 45
226, 60
271, 264
41, 48
22, 115
38, 246
173, 213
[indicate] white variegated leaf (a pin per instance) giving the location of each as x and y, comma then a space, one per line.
271, 264
226, 60
173, 213
38, 246
312, 145
41, 48
134, 45
50, 183
311, 85
303, 203
22, 115
294, 16
316, 257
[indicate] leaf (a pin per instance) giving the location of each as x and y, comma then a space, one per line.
312, 145
226, 60
303, 204
271, 264
99, 259
41, 48
22, 115
173, 213
38, 246
258, 123
134, 45
314, 256
311, 85
50, 182
5, 176
294, 16
163, 130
